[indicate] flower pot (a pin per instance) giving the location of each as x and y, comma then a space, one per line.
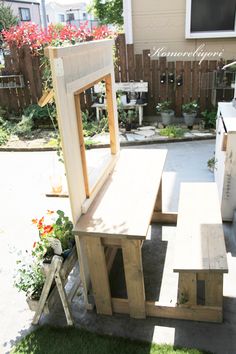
33, 304
189, 118
128, 127
167, 117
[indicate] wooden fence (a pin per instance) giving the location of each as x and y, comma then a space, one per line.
195, 80
128, 66
21, 61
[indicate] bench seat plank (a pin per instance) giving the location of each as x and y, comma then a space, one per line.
200, 244
125, 205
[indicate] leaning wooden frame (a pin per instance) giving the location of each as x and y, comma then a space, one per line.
75, 69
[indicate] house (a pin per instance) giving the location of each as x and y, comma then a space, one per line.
74, 13
26, 10
184, 27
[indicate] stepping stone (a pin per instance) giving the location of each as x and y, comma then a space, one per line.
147, 128
146, 133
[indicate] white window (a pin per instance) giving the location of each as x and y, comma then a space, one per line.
70, 16
210, 19
61, 18
24, 14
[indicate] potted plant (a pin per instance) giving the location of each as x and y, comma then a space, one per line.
190, 112
55, 237
131, 115
164, 108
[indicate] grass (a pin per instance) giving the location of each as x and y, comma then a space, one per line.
172, 131
53, 340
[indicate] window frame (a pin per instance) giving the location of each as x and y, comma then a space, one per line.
208, 34
61, 14
21, 17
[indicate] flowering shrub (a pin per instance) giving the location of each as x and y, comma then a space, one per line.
31, 34
53, 228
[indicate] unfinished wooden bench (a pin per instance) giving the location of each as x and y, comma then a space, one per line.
200, 254
119, 218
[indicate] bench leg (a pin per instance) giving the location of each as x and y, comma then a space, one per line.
158, 205
140, 114
99, 275
187, 288
133, 267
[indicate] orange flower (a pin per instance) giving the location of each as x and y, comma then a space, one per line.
34, 221
47, 229
49, 212
40, 223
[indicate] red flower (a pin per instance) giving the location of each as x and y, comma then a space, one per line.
47, 229
49, 212
34, 244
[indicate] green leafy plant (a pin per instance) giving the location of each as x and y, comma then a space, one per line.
29, 277
210, 118
164, 106
190, 107
24, 127
108, 12
172, 131
4, 136
211, 164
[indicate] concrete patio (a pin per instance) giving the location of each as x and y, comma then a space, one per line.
24, 182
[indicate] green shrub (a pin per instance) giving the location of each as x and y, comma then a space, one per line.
172, 131
210, 118
4, 136
164, 106
39, 112
24, 127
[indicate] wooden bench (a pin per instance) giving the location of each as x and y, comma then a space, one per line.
119, 218
200, 254
136, 87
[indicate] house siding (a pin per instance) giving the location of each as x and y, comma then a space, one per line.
34, 9
161, 23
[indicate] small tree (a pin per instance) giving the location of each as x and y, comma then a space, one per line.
7, 18
109, 12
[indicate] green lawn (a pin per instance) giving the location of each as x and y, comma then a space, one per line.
53, 340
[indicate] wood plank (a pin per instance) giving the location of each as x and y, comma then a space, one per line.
122, 55
158, 204
171, 86
99, 275
111, 111
114, 214
196, 313
155, 81
163, 87
164, 218
187, 81
187, 289
195, 80
117, 61
179, 89
110, 255
138, 67
131, 62
204, 84
200, 244
214, 289
115, 242
132, 258
82, 144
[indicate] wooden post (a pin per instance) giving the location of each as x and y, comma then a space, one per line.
99, 275
132, 258
82, 145
111, 111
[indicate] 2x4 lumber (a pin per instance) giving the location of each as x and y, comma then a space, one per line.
111, 112
164, 218
196, 313
187, 289
158, 205
133, 267
82, 145
99, 275
214, 289
62, 293
110, 257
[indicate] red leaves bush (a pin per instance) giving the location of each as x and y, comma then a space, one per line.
31, 34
